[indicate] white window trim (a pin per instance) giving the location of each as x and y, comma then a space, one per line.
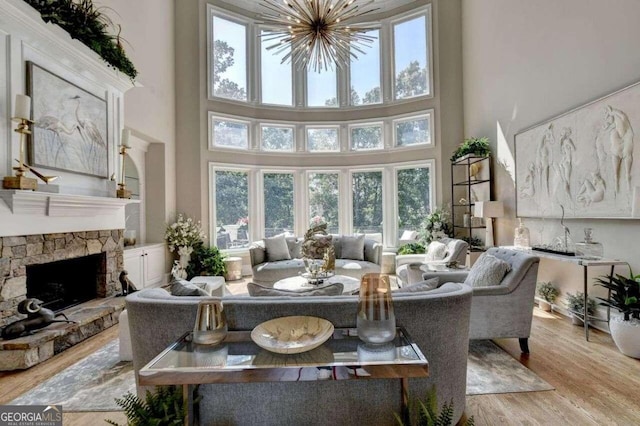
301, 196
222, 117
364, 125
399, 19
428, 115
241, 20
292, 127
308, 127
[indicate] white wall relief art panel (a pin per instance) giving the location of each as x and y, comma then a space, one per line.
586, 161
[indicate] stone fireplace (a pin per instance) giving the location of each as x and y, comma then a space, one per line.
24, 256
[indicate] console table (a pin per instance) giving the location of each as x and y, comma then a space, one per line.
238, 360
585, 263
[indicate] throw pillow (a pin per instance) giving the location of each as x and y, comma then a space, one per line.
185, 288
409, 236
435, 251
257, 290
276, 248
426, 285
487, 271
295, 247
353, 247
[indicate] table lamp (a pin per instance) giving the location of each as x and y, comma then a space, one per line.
489, 210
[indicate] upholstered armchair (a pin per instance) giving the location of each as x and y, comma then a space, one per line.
410, 267
503, 310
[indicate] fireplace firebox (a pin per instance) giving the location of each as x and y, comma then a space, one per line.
67, 283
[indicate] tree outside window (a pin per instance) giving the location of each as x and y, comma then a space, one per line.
232, 209
414, 203
278, 203
229, 71
367, 202
323, 199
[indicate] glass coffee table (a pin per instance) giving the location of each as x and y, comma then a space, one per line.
238, 360
301, 283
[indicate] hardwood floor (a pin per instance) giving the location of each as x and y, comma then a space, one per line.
595, 384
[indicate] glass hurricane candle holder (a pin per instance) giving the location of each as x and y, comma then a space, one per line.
211, 323
376, 321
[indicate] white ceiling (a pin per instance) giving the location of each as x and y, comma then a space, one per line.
253, 5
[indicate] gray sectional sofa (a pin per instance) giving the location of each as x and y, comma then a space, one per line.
437, 320
265, 272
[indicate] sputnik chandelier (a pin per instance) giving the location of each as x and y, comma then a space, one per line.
315, 34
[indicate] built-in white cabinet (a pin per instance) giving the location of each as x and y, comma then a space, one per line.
145, 264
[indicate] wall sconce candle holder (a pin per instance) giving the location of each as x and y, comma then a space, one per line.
20, 181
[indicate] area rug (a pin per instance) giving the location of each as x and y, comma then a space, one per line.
91, 384
491, 370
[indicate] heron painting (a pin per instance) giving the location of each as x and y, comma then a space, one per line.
70, 125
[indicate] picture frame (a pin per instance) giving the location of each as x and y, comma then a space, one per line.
70, 125
584, 163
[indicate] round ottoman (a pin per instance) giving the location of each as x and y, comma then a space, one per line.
234, 268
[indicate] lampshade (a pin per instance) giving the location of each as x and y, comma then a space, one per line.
489, 209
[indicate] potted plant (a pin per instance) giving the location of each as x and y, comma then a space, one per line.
476, 146
548, 294
412, 248
436, 225
575, 304
625, 297
206, 261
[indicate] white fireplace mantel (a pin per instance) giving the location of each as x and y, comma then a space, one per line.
61, 205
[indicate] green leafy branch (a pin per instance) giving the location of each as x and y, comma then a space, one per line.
86, 23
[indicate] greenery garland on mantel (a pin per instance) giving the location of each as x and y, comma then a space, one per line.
84, 22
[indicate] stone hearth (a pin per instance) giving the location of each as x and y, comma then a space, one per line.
19, 252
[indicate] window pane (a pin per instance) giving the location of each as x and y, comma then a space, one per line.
230, 134
232, 209
277, 138
229, 72
412, 132
411, 58
278, 203
323, 199
413, 198
367, 202
276, 77
322, 89
322, 140
365, 73
369, 137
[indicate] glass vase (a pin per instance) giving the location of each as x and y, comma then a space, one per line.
522, 236
211, 323
589, 249
376, 321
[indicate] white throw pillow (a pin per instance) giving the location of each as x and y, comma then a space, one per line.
352, 247
276, 248
435, 251
487, 271
426, 285
409, 235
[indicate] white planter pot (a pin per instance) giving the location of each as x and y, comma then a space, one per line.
626, 335
544, 305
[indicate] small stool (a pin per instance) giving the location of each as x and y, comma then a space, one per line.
388, 263
234, 268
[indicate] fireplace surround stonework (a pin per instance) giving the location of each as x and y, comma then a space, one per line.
21, 251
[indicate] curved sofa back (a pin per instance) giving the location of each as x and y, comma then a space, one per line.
438, 321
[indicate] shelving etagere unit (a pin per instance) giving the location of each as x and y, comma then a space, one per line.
463, 183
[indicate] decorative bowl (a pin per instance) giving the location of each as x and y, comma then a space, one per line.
292, 335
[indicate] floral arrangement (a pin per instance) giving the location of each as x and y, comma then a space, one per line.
242, 221
185, 232
317, 220
436, 225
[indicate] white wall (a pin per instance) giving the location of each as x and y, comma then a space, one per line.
150, 111
524, 62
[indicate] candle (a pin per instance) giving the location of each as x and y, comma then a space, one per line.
22, 107
124, 139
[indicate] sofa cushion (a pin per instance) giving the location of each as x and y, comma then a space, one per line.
352, 247
276, 248
257, 290
426, 285
487, 271
435, 251
185, 288
295, 247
